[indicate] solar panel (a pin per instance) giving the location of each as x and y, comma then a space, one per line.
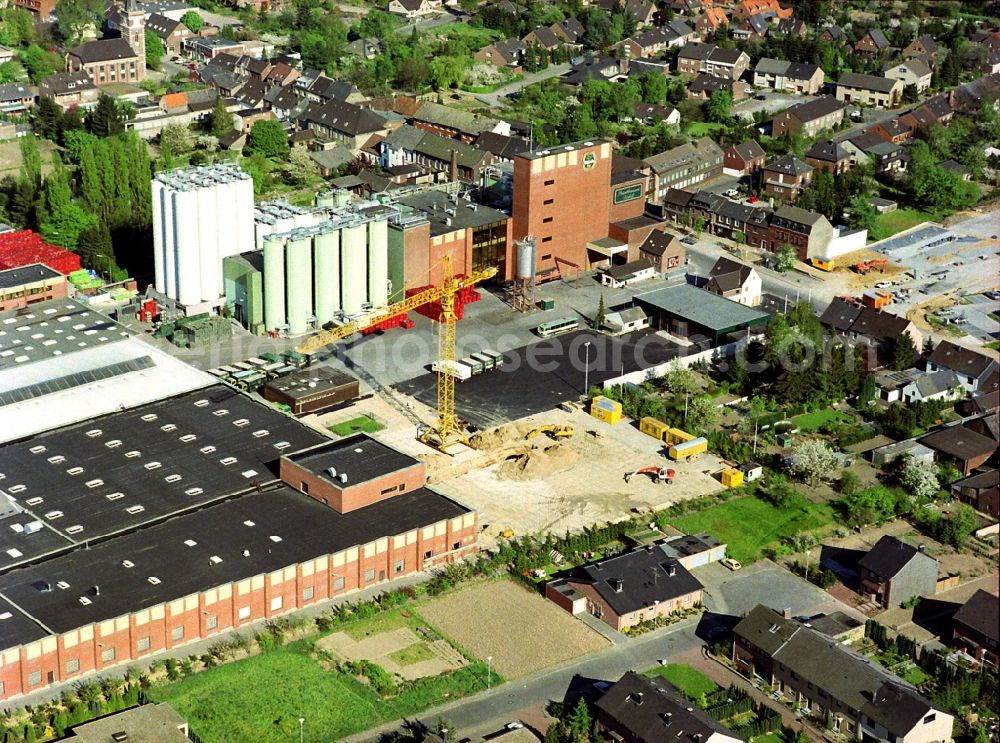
79, 379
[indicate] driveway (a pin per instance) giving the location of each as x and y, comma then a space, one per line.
496, 99
773, 103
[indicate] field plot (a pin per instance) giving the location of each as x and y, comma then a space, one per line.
692, 682
505, 621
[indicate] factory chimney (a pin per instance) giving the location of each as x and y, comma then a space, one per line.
453, 167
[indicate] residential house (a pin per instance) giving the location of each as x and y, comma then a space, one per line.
833, 35
503, 148
651, 113
329, 162
70, 89
643, 11
873, 44
644, 709
828, 682
914, 71
809, 118
981, 490
712, 60
569, 30
767, 8
663, 250
960, 444
17, 97
922, 46
646, 45
792, 77
711, 21
730, 220
955, 168
976, 628
889, 383
939, 385
343, 122
449, 122
509, 53
791, 27
107, 61
808, 232
412, 9
543, 37
830, 156
367, 49
607, 69
892, 572
622, 591
736, 281
869, 90
745, 158
886, 157
170, 32
754, 27
875, 328
704, 85
408, 145
281, 74
685, 165
205, 48
675, 204
627, 320
896, 131
975, 371
786, 177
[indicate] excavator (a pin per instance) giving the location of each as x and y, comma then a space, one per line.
554, 431
875, 264
659, 474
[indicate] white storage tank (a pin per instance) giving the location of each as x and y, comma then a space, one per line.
208, 239
378, 262
244, 214
169, 243
188, 256
354, 269
298, 262
274, 282
159, 260
326, 274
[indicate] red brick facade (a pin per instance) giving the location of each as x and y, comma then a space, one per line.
351, 496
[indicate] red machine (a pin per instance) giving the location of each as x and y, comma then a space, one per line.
658, 474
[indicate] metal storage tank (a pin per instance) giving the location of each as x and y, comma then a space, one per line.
244, 215
262, 228
188, 256
325, 199
303, 219
159, 265
274, 282
298, 289
378, 262
169, 243
353, 272
326, 270
208, 239
525, 262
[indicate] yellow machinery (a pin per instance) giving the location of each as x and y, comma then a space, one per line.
556, 432
446, 429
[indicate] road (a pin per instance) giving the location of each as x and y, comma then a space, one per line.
496, 98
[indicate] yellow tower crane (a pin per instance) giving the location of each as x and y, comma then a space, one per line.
446, 430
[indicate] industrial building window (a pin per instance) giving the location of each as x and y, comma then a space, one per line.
305, 487
338, 584
34, 678
550, 182
547, 239
211, 622
400, 566
1, 689
307, 593
428, 554
393, 489
177, 633
547, 257
276, 603
143, 645
369, 575
457, 545
548, 202
72, 666
244, 613
107, 655
547, 220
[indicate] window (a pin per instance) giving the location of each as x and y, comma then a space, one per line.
400, 566
177, 633
276, 603
930, 718
308, 593
305, 487
34, 678
456, 545
72, 666
211, 623
550, 182
548, 202
338, 584
547, 239
369, 575
546, 220
244, 613
107, 655
547, 257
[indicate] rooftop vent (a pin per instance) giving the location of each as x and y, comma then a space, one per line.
120, 737
245, 553
331, 471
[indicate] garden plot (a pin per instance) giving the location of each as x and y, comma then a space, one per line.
519, 630
400, 652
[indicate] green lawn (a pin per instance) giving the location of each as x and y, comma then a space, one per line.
815, 421
689, 680
703, 128
415, 653
903, 219
748, 524
776, 737
992, 345
262, 697
355, 425
915, 676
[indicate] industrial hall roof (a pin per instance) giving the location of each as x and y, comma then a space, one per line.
358, 459
702, 308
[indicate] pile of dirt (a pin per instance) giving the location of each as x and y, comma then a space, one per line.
536, 464
498, 438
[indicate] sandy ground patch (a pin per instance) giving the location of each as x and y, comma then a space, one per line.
380, 648
520, 630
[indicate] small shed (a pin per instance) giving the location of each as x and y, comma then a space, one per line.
751, 471
885, 454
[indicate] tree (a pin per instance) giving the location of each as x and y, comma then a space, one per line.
268, 139
220, 121
155, 51
47, 117
702, 413
579, 124
919, 477
903, 352
178, 138
301, 167
680, 380
579, 724
653, 86
849, 483
719, 106
813, 461
447, 71
76, 17
863, 215
193, 21
95, 248
17, 27
105, 120
39, 62
785, 258
601, 314
910, 94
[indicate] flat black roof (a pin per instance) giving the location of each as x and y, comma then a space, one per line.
16, 628
173, 559
310, 382
360, 457
133, 467
26, 275
24, 538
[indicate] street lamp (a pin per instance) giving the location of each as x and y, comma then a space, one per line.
808, 553
302, 721
586, 369
489, 672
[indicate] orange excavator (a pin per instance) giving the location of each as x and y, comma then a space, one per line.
878, 264
658, 474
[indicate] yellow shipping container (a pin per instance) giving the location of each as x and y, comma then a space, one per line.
732, 477
604, 409
687, 449
655, 428
676, 436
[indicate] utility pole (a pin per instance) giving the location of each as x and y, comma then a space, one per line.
586, 369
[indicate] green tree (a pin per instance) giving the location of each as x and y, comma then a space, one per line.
155, 51
220, 121
105, 120
193, 21
448, 71
10, 72
601, 314
785, 258
95, 248
579, 724
178, 138
47, 118
39, 63
863, 215
702, 413
17, 27
579, 124
719, 106
268, 139
77, 17
814, 461
903, 352
63, 227
653, 86
301, 167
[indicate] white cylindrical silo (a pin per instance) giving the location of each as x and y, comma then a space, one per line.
169, 243
209, 229
189, 263
378, 262
326, 275
262, 229
159, 261
227, 236
244, 214
353, 268
298, 262
274, 282
303, 218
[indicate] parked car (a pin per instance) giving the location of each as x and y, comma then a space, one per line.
732, 193
730, 563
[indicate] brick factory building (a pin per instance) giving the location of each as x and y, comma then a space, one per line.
26, 285
561, 199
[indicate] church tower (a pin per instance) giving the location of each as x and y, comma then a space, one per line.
134, 33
